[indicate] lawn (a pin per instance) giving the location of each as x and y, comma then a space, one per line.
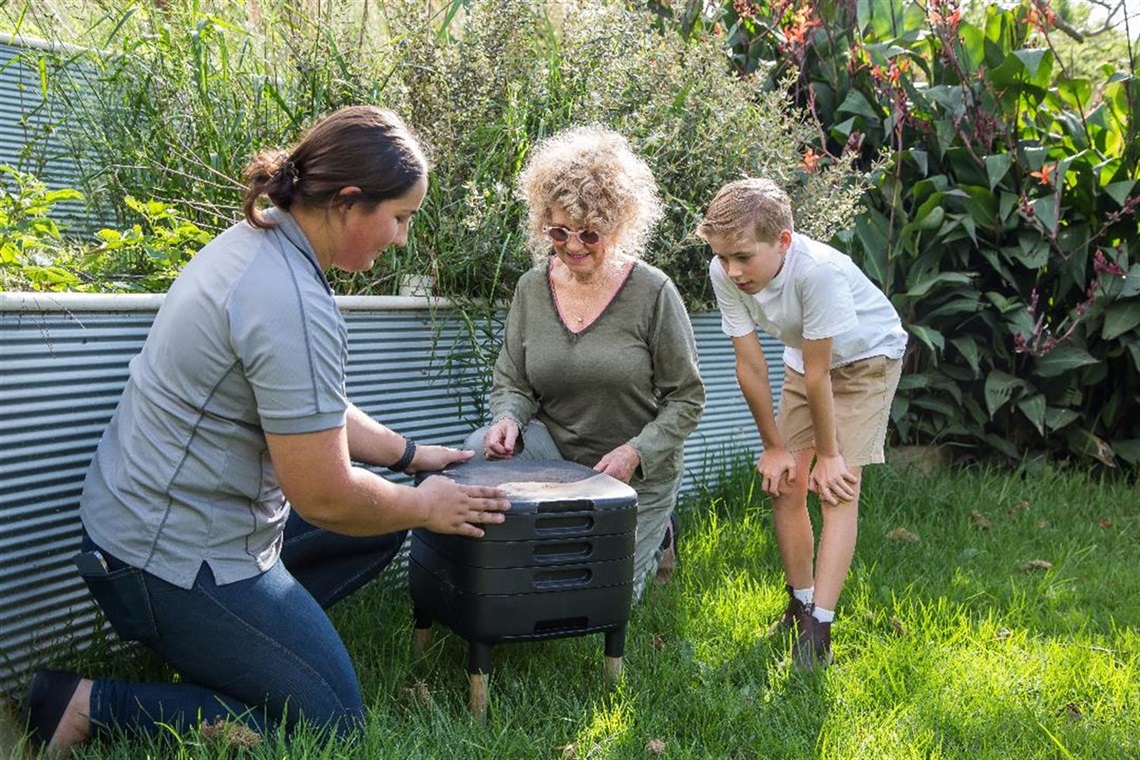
989, 614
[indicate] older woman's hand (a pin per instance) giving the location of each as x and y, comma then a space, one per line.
499, 443
620, 463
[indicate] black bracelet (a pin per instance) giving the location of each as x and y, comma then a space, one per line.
406, 459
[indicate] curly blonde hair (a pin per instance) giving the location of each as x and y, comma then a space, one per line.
753, 207
593, 175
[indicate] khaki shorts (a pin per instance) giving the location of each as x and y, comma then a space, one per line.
862, 393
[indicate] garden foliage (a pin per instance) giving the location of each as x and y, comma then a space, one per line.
181, 93
1004, 225
143, 257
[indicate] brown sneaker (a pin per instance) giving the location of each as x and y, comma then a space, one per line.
794, 613
813, 645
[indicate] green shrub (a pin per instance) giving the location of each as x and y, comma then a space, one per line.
29, 237
143, 257
514, 73
189, 89
1004, 225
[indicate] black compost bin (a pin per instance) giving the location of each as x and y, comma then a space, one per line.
561, 563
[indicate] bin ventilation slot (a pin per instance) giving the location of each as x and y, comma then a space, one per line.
569, 578
559, 552
561, 624
563, 524
579, 505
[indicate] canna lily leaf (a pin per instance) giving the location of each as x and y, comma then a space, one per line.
930, 337
1119, 318
999, 389
1063, 359
1119, 191
997, 167
1055, 419
1034, 410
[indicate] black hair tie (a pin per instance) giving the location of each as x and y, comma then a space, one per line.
289, 169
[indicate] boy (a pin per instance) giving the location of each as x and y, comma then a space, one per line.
843, 347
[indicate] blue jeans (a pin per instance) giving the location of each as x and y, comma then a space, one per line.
261, 652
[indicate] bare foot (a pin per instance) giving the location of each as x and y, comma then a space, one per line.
75, 725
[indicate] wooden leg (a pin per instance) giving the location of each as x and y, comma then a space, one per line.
422, 641
477, 701
615, 648
613, 670
478, 666
422, 631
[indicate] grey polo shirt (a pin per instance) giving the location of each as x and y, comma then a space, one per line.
248, 340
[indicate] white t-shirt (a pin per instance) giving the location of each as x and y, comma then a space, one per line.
819, 293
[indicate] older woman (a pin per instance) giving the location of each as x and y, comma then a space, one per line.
598, 364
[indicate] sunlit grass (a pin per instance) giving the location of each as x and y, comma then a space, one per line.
950, 646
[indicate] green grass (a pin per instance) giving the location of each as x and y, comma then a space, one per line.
946, 647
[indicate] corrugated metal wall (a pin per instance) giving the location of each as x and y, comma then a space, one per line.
62, 368
33, 138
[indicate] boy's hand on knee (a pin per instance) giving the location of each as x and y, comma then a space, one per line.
773, 465
831, 479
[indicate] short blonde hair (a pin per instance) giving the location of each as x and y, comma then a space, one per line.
756, 207
593, 175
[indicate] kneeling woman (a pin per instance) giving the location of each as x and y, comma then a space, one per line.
223, 512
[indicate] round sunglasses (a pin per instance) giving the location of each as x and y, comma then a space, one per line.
563, 235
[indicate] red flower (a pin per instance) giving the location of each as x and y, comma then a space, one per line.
1045, 176
811, 160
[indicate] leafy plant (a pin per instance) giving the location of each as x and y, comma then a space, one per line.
489, 81
173, 98
149, 254
1004, 224
185, 91
34, 255
29, 237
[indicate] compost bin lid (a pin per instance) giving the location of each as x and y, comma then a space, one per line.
534, 482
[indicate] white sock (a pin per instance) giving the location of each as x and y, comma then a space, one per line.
804, 595
822, 615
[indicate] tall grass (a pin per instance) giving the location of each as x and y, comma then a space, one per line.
168, 100
951, 642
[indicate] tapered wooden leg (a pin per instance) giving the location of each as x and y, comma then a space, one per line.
478, 666
615, 648
477, 699
421, 641
613, 670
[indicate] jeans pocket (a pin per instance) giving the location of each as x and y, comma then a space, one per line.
122, 594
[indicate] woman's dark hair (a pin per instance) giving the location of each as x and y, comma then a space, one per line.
363, 146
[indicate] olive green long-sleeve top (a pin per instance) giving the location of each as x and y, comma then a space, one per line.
629, 377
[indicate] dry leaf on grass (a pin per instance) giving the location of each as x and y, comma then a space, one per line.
1035, 564
420, 694
569, 752
1003, 634
977, 518
898, 627
655, 747
1018, 508
902, 534
229, 734
658, 642
1104, 522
